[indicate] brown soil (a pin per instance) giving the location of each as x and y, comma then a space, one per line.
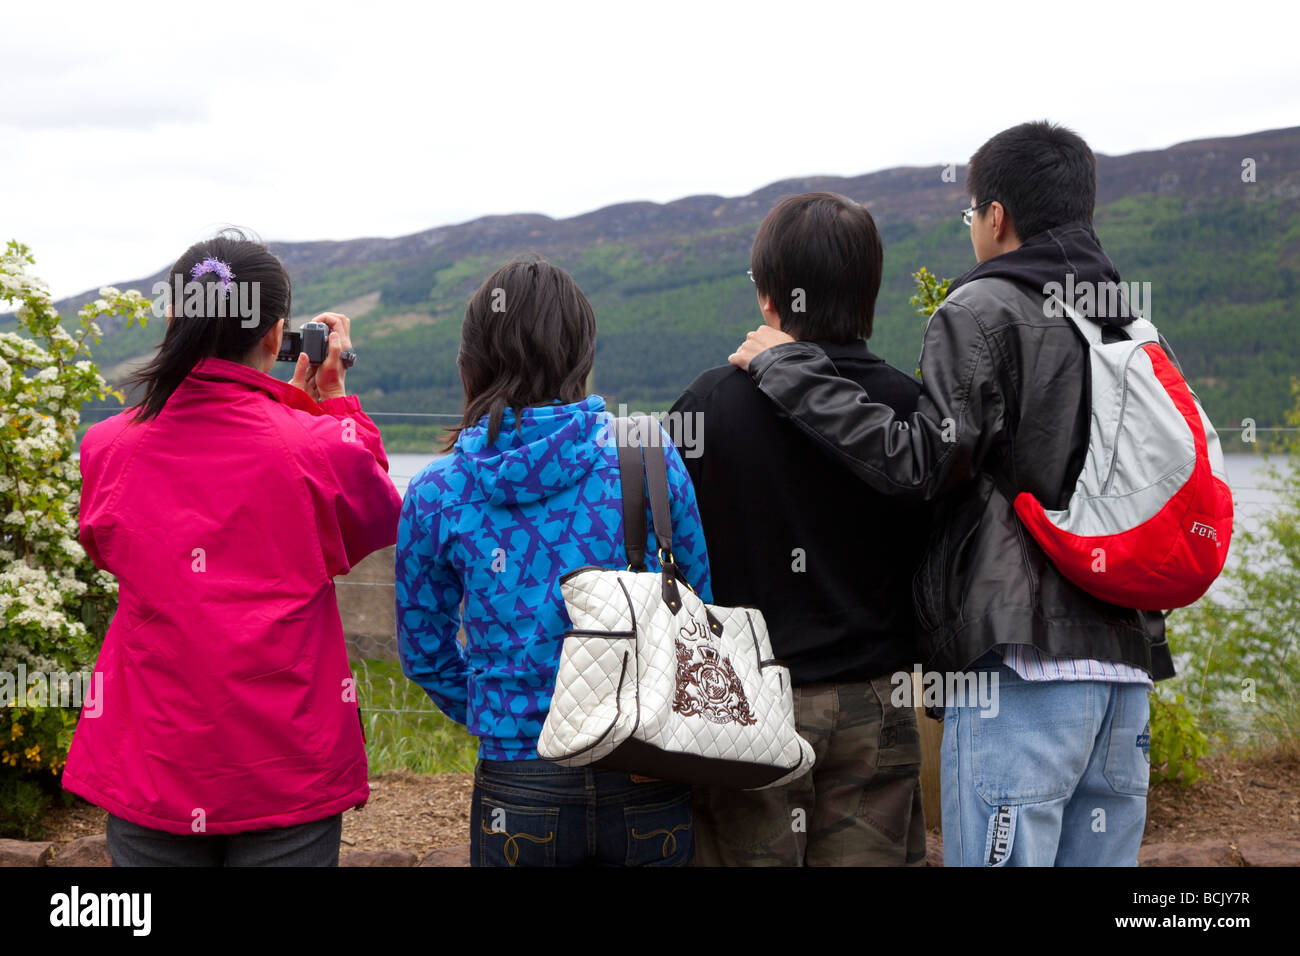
1258, 796
406, 811
411, 811
419, 813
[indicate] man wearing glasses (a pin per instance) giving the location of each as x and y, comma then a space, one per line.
1056, 773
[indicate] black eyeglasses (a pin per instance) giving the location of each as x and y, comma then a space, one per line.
968, 214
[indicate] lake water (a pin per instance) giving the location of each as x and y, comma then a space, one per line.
403, 467
1245, 474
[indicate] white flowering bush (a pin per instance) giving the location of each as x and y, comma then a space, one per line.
54, 604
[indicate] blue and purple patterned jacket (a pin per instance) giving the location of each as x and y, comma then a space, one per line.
494, 527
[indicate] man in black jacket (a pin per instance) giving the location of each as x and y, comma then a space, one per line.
827, 561
1059, 775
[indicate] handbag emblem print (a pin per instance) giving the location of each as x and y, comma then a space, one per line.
706, 682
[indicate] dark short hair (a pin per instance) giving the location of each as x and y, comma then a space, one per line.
529, 338
1044, 175
818, 257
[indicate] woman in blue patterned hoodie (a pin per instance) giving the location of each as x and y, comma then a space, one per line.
529, 491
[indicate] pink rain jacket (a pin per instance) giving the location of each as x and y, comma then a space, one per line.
227, 703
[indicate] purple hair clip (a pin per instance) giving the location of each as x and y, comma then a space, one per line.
212, 264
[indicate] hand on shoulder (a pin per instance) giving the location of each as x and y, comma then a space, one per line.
760, 340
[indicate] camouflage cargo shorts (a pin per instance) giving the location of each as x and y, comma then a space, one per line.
860, 805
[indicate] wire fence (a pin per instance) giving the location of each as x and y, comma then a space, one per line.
374, 648
115, 410
456, 416
1225, 432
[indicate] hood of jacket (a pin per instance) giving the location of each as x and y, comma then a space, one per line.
538, 454
1069, 256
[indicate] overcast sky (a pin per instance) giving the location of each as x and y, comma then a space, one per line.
129, 131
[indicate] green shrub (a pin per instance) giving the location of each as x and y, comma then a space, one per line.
54, 604
23, 804
1177, 743
930, 291
1242, 663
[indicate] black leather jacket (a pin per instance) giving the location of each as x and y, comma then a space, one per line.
1002, 411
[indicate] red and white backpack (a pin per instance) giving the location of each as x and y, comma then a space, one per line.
1149, 522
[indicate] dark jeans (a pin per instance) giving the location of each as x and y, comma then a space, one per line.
307, 844
536, 813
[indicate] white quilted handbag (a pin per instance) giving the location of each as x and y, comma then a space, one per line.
652, 680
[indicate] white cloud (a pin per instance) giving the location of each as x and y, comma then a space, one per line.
127, 132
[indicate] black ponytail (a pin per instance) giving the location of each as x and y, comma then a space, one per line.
214, 315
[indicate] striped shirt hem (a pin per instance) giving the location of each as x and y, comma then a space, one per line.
1032, 665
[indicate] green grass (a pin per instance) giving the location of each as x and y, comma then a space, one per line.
404, 731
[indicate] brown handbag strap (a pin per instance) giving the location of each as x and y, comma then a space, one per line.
630, 475
642, 464
641, 443
656, 472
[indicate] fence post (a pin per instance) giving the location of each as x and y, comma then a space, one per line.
931, 732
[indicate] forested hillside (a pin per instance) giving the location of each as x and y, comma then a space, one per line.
671, 297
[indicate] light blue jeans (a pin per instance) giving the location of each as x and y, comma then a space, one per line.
1057, 778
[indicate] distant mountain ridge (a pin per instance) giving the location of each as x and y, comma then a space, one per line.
1223, 256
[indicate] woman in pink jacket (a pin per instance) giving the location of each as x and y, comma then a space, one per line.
225, 502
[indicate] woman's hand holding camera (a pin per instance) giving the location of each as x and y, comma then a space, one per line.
325, 381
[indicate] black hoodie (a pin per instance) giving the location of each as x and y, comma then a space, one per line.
1069, 256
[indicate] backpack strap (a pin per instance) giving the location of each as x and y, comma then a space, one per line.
1096, 333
